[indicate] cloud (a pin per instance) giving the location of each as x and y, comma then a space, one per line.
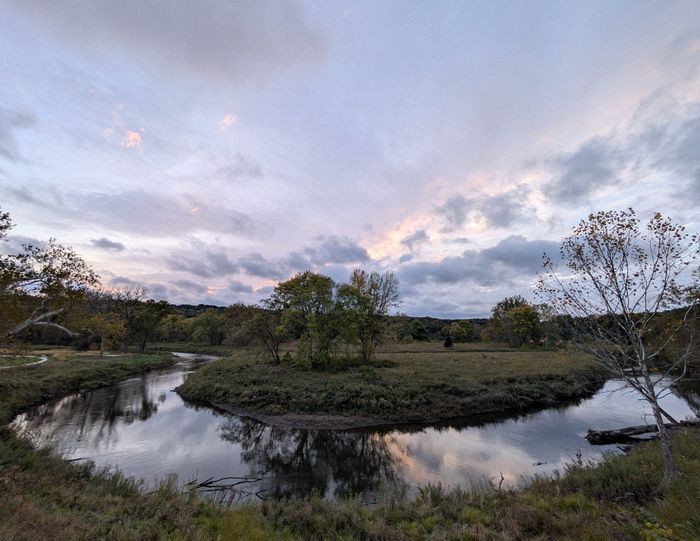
10, 123
499, 210
505, 209
190, 286
681, 155
336, 249
109, 245
236, 41
121, 281
240, 167
138, 212
132, 139
205, 262
595, 164
513, 257
256, 265
239, 287
227, 121
454, 211
415, 239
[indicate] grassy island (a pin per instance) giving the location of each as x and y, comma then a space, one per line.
408, 383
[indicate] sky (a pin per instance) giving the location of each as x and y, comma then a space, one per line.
210, 149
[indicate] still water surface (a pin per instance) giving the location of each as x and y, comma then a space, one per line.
142, 428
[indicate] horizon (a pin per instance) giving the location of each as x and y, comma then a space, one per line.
208, 151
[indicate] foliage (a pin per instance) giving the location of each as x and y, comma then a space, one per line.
619, 280
267, 329
308, 297
39, 284
210, 327
515, 322
364, 302
462, 331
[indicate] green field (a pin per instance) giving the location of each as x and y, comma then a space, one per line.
408, 383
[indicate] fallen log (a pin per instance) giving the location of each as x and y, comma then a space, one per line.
626, 435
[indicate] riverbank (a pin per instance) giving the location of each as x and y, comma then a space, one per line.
423, 384
45, 497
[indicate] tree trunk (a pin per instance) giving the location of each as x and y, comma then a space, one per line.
664, 437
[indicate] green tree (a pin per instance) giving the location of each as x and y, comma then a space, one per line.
619, 280
307, 298
462, 331
514, 321
365, 302
267, 329
149, 316
210, 327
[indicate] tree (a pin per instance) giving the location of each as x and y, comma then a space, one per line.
365, 302
39, 284
619, 280
267, 330
125, 301
307, 299
462, 331
211, 326
515, 321
149, 315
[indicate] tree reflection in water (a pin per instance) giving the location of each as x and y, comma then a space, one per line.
92, 417
295, 462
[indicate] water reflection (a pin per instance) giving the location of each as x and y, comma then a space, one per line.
142, 428
294, 462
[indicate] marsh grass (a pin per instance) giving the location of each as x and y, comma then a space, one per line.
417, 384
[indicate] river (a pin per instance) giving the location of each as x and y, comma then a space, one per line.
143, 429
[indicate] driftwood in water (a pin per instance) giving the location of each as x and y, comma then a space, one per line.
624, 435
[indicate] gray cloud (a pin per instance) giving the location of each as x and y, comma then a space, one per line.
336, 249
454, 211
256, 265
239, 287
190, 286
415, 239
500, 210
10, 123
216, 38
120, 281
511, 258
202, 261
109, 245
595, 164
139, 212
505, 209
240, 167
682, 155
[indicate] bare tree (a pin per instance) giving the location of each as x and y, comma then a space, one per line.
625, 297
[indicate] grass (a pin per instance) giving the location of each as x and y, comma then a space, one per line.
68, 372
415, 382
44, 497
15, 360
